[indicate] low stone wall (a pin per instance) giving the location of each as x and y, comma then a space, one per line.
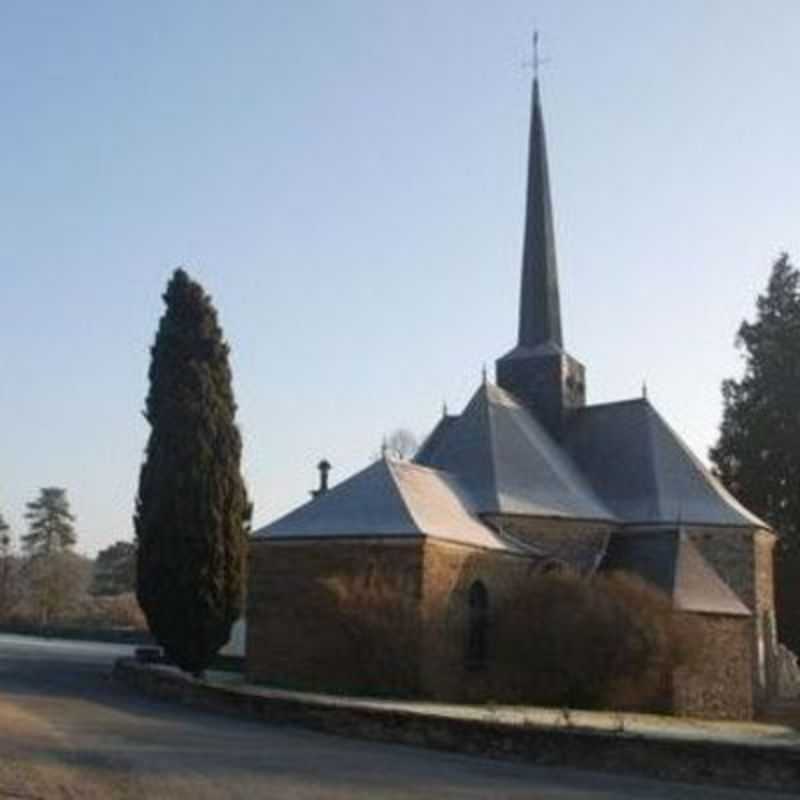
702, 760
78, 633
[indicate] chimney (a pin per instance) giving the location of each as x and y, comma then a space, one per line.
324, 468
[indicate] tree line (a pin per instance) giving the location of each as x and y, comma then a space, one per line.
45, 582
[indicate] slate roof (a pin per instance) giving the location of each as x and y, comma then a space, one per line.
389, 498
644, 472
670, 560
509, 464
434, 440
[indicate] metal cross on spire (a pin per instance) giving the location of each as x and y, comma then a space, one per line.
536, 61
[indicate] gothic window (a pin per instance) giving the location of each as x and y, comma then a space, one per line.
477, 639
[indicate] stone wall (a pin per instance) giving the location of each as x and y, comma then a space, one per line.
317, 610
577, 741
718, 685
578, 543
744, 560
450, 570
391, 617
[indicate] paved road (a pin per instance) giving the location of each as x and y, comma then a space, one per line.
68, 732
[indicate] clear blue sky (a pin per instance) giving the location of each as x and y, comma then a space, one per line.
347, 180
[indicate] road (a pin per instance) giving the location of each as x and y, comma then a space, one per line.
69, 732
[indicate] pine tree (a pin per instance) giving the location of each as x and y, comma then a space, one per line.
757, 455
114, 570
192, 511
50, 524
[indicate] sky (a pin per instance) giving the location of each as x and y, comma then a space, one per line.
346, 179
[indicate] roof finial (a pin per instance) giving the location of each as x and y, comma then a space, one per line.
444, 408
537, 61
644, 390
484, 378
384, 446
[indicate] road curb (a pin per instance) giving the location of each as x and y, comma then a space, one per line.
762, 766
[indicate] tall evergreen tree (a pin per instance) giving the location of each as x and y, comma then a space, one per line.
50, 523
757, 455
192, 512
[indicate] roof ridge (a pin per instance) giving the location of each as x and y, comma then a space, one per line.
653, 455
493, 469
559, 460
630, 400
390, 467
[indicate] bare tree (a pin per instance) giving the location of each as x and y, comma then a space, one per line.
401, 444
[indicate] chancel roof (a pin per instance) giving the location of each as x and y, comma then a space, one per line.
508, 463
669, 560
389, 498
644, 472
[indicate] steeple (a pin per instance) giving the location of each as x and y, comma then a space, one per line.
539, 307
538, 371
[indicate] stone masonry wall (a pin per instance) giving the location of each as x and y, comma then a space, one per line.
719, 684
576, 542
392, 618
449, 572
316, 610
744, 560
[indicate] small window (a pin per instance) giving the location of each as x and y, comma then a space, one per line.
477, 633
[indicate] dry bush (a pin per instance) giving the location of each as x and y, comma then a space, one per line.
53, 589
609, 642
116, 611
377, 632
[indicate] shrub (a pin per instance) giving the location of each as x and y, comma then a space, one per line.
378, 630
609, 642
116, 611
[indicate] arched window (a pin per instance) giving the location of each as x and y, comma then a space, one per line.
477, 638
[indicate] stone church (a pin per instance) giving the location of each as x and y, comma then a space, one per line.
526, 479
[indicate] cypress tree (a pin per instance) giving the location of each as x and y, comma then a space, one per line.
192, 511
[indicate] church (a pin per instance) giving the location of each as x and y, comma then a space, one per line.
526, 479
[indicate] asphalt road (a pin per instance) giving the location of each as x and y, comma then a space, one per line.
69, 732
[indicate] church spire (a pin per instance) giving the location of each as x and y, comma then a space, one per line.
540, 311
537, 371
